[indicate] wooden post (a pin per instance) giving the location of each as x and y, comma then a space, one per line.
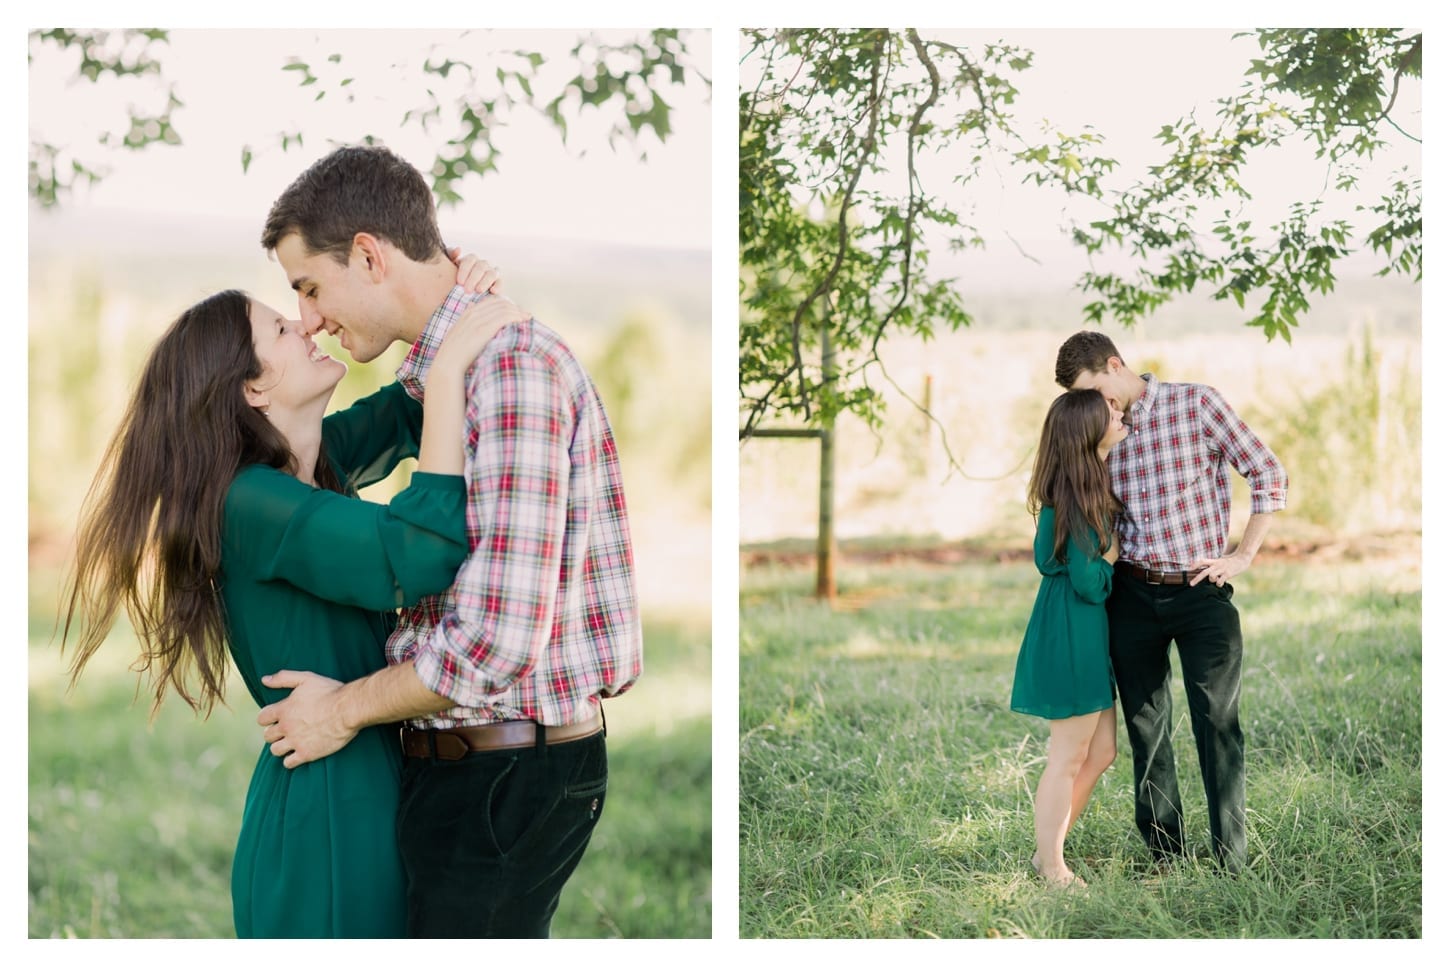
826, 519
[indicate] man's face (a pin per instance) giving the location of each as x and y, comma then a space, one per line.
1109, 383
343, 300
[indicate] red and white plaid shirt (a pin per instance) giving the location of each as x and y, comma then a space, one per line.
543, 618
1171, 473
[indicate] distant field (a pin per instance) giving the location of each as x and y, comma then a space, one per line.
987, 390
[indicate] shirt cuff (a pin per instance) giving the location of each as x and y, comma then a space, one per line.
1267, 502
428, 666
432, 663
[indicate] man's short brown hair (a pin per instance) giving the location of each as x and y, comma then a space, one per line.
358, 188
1086, 351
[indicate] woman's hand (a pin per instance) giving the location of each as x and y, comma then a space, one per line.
474, 274
1111, 554
479, 323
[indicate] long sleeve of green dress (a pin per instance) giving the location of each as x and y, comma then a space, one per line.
345, 550
366, 440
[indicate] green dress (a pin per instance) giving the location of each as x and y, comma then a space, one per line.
1063, 668
309, 580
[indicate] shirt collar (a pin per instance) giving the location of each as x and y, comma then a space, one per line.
1143, 405
413, 374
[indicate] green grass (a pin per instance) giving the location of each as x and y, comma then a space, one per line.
132, 826
886, 788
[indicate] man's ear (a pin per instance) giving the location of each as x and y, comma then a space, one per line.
1115, 365
368, 252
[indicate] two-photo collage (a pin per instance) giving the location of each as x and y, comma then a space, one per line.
725, 483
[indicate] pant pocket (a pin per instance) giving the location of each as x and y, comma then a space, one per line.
548, 797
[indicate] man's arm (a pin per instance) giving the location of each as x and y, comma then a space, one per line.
1221, 569
504, 597
322, 715
1256, 463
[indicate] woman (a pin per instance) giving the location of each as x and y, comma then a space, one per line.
224, 519
1064, 673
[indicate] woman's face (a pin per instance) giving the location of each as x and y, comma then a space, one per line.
294, 371
1115, 431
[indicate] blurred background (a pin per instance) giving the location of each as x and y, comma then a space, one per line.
595, 208
1341, 406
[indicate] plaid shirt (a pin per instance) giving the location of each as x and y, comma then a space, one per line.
1171, 473
543, 618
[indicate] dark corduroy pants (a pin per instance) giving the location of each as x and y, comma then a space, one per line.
1203, 622
489, 840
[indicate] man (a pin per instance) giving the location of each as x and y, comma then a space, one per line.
1171, 582
499, 678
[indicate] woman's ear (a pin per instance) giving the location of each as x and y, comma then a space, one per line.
256, 397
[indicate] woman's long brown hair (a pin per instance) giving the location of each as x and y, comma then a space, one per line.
1070, 477
149, 537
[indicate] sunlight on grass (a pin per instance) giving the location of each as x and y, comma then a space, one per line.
886, 789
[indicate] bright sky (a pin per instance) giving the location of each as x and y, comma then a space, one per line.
236, 93
1127, 84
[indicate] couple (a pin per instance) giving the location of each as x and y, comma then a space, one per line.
432, 774
1131, 490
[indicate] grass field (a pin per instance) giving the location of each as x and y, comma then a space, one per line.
132, 826
886, 788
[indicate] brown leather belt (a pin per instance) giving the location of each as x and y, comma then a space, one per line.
451, 744
1150, 576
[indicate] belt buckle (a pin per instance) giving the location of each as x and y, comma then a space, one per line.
1151, 576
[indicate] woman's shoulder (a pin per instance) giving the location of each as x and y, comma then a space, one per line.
258, 488
258, 475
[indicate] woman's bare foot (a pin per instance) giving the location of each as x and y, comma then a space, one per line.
1060, 877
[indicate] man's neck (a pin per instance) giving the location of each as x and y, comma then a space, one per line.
425, 286
1140, 386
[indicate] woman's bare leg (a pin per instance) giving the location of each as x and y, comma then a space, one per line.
1067, 748
1101, 752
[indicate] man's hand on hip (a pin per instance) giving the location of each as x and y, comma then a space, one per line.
1220, 569
307, 725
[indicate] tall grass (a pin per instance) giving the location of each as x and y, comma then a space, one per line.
886, 789
1352, 445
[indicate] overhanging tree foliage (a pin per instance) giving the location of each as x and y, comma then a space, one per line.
1336, 89
833, 211
460, 102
